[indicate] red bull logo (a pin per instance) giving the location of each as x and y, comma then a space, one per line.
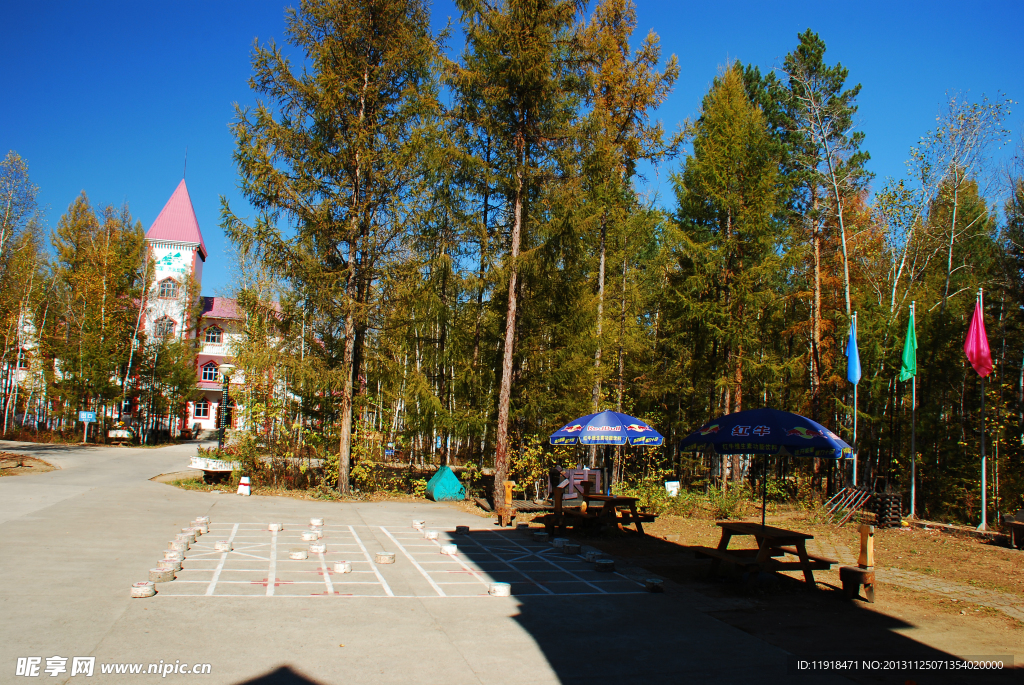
637, 428
805, 433
573, 429
709, 430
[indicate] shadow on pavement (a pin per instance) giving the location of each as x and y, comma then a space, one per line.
594, 627
808, 623
284, 675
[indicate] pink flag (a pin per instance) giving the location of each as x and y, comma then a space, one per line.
976, 345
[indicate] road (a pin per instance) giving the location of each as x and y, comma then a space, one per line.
75, 539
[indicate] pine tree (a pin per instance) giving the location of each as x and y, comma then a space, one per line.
829, 164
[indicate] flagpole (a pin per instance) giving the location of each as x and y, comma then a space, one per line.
984, 505
913, 428
855, 418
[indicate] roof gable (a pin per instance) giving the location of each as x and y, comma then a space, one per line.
177, 221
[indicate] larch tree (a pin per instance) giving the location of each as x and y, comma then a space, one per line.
332, 150
728, 196
517, 80
624, 89
99, 277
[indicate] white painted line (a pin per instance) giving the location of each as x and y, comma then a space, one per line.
462, 563
223, 558
272, 573
419, 568
531, 594
524, 574
384, 583
327, 574
564, 570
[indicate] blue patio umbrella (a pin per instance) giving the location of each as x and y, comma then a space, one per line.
607, 428
767, 431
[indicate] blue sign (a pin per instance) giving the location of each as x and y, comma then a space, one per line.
87, 416
389, 453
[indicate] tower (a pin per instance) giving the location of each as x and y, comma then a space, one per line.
177, 252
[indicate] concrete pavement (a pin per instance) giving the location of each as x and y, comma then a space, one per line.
75, 539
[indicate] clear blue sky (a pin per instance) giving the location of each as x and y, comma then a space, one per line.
105, 96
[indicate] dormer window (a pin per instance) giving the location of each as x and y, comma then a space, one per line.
164, 327
167, 288
210, 371
214, 335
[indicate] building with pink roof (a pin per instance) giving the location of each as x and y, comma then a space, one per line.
177, 254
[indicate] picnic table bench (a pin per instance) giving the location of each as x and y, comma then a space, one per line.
614, 511
772, 543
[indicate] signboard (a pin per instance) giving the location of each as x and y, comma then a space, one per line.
86, 417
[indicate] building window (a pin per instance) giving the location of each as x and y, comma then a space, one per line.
167, 288
214, 335
209, 371
23, 360
164, 327
202, 408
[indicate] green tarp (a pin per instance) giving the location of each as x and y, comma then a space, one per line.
444, 486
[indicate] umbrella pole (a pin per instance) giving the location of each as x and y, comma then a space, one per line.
764, 490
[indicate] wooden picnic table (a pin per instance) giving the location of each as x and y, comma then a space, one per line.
615, 509
772, 543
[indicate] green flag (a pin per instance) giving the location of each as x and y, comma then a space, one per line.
908, 369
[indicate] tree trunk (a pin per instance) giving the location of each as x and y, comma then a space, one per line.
596, 394
505, 392
952, 239
816, 322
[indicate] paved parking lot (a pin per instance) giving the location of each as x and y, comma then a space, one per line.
75, 539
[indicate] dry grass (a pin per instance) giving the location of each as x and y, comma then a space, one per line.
19, 465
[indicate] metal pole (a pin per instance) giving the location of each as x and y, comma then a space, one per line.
223, 413
913, 425
913, 449
855, 417
764, 490
984, 507
854, 436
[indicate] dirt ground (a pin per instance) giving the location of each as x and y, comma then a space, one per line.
18, 465
187, 480
901, 623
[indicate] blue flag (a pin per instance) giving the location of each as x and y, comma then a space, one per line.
852, 355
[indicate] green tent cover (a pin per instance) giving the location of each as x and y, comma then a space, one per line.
444, 486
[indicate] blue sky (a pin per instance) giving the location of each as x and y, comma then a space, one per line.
105, 96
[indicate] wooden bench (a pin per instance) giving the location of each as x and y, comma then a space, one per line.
852, 577
747, 558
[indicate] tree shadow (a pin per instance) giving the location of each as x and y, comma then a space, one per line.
726, 630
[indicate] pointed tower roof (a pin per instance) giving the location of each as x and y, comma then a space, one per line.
177, 221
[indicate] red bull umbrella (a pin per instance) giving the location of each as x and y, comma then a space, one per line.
768, 431
607, 428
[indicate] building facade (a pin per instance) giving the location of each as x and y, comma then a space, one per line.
177, 255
